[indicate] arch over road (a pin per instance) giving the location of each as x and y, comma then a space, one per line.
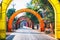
55, 4
29, 21
41, 22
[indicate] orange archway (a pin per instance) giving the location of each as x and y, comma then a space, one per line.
41, 22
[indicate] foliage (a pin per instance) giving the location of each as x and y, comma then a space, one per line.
36, 5
10, 12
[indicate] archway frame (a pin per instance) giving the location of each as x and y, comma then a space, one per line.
55, 4
41, 22
27, 19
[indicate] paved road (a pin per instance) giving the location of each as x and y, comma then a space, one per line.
28, 34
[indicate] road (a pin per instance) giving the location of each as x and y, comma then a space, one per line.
28, 34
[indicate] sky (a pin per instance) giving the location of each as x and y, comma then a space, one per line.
19, 4
0, 1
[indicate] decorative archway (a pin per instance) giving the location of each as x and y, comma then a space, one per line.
55, 4
41, 22
29, 21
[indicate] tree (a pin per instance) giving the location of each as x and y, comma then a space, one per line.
10, 12
47, 10
33, 5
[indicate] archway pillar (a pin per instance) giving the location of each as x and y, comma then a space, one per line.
56, 6
42, 26
5, 4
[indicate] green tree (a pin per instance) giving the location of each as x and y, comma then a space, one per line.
10, 12
47, 8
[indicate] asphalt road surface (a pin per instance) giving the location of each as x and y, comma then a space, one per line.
28, 34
